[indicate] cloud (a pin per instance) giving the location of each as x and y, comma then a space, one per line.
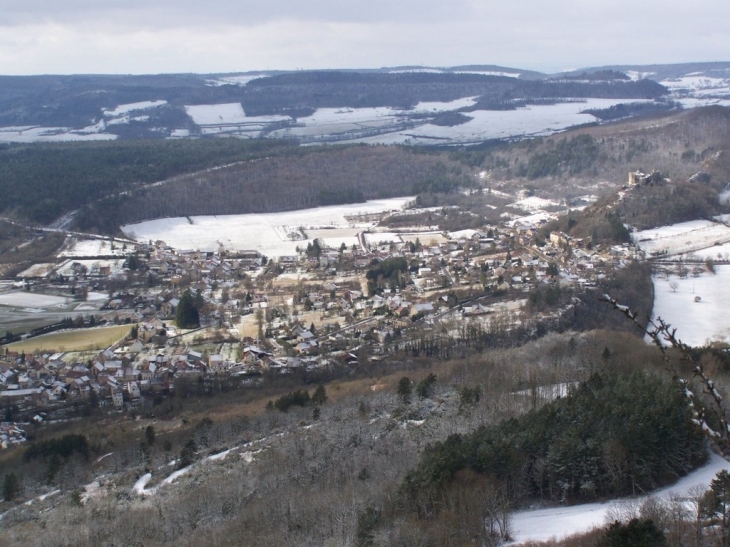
244, 13
135, 36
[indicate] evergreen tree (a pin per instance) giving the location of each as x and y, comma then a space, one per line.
187, 314
11, 486
424, 386
149, 435
716, 503
187, 454
320, 396
405, 389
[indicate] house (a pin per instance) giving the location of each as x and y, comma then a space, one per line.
169, 308
216, 363
117, 399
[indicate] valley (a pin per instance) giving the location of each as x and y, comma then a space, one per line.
413, 333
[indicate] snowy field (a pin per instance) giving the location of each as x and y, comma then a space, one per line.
24, 299
533, 204
28, 134
334, 238
534, 120
436, 106
93, 267
91, 247
534, 220
340, 121
123, 109
716, 252
228, 118
377, 238
699, 86
560, 522
486, 124
212, 114
696, 322
681, 238
424, 238
265, 233
38, 270
240, 80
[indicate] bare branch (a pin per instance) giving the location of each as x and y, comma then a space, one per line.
663, 335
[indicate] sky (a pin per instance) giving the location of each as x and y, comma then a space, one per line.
213, 36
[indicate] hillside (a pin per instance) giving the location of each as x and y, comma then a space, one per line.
295, 180
364, 465
116, 183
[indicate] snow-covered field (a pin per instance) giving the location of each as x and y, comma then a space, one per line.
340, 121
213, 114
91, 247
425, 238
230, 119
533, 204
680, 238
93, 266
533, 220
24, 299
560, 522
376, 238
239, 80
532, 120
123, 109
334, 238
716, 252
28, 134
265, 233
38, 270
699, 86
227, 118
696, 322
449, 106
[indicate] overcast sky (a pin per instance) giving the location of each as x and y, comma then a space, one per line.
155, 36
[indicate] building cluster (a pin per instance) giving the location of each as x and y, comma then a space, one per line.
352, 311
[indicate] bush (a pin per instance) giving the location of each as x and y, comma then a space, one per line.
637, 533
295, 398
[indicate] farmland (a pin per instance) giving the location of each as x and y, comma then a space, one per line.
73, 340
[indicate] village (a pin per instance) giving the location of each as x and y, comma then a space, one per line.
322, 311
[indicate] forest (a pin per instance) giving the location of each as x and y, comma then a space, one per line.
274, 95
41, 182
611, 436
298, 179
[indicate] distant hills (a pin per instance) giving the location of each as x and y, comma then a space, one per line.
48, 108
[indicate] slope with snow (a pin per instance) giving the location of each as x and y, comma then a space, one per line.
680, 238
560, 522
123, 109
